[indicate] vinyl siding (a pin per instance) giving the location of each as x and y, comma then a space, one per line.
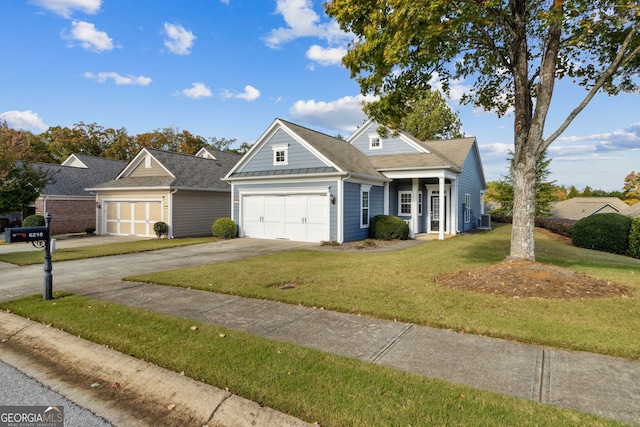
389, 145
298, 156
470, 182
352, 230
154, 170
194, 212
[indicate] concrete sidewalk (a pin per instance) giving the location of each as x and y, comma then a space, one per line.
592, 383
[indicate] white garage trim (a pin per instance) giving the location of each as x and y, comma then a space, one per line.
131, 216
301, 214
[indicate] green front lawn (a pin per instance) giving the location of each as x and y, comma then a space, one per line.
308, 384
36, 257
400, 285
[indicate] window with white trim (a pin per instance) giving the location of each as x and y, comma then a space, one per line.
404, 203
420, 203
280, 154
467, 207
365, 193
375, 143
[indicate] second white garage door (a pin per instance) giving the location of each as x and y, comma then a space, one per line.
302, 218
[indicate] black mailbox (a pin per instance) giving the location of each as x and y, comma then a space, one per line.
26, 234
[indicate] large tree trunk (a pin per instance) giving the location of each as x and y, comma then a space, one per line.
523, 173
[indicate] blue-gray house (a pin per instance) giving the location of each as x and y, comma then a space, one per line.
303, 185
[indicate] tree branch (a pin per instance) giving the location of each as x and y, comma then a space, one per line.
620, 59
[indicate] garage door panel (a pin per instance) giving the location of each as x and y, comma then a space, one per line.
132, 217
292, 217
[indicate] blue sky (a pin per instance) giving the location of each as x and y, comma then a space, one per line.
228, 68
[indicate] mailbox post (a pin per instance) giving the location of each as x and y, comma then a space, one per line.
39, 237
47, 286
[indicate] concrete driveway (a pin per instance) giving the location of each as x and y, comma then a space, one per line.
105, 273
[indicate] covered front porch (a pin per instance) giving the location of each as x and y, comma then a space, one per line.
428, 203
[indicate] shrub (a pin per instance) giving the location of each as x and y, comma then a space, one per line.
90, 230
387, 227
33, 221
560, 226
224, 228
608, 232
160, 228
634, 239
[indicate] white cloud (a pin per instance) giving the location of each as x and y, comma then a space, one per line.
118, 79
179, 40
326, 56
88, 36
344, 114
26, 120
197, 90
574, 147
250, 94
65, 8
302, 21
224, 1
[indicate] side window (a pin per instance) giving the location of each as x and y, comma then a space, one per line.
365, 193
467, 207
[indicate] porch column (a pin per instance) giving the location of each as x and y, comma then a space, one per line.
443, 220
414, 207
386, 198
455, 209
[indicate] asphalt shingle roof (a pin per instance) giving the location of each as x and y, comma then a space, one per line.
72, 181
580, 207
190, 172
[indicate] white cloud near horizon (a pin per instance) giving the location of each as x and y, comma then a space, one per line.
25, 120
65, 8
178, 39
344, 114
117, 78
600, 145
250, 94
90, 38
197, 90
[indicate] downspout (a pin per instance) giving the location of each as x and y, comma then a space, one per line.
340, 209
170, 214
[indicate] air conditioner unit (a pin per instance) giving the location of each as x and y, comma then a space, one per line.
484, 222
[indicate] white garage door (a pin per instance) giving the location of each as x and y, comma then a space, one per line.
301, 218
131, 217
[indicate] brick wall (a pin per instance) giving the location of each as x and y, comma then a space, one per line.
69, 216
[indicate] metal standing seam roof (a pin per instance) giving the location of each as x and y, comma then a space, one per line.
190, 172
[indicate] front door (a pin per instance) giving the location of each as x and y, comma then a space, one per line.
435, 213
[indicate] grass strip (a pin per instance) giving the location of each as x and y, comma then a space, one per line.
308, 384
400, 285
69, 254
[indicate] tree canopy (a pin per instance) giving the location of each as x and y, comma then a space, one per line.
512, 50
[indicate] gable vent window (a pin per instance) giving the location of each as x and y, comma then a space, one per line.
280, 154
375, 143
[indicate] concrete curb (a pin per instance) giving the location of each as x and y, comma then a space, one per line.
131, 392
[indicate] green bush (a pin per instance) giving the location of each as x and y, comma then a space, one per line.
90, 230
33, 221
224, 228
608, 232
387, 227
160, 228
634, 239
561, 226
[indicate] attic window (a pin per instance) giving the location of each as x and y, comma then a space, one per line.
280, 154
374, 142
147, 162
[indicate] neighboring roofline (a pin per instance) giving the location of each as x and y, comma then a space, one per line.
68, 161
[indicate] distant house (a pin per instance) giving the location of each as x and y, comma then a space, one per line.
579, 207
184, 191
73, 209
298, 184
633, 211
